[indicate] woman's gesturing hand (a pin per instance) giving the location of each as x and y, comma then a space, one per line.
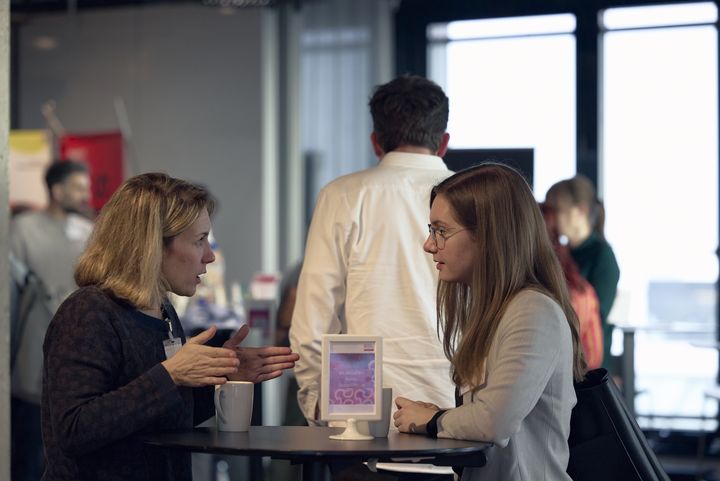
258, 364
196, 365
413, 416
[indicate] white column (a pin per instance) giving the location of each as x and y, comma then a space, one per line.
4, 268
270, 138
293, 148
383, 44
272, 180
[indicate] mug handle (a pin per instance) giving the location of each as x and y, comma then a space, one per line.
218, 406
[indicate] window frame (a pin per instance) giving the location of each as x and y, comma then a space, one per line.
413, 17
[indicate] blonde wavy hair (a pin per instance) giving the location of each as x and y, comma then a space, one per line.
513, 253
124, 253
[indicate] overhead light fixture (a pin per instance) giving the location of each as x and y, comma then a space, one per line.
45, 43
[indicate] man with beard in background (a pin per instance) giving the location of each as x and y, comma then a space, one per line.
44, 247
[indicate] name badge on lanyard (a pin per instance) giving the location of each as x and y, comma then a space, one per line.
172, 344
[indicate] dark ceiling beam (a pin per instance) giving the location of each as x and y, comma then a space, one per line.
41, 6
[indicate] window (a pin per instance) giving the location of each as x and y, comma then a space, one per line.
516, 81
659, 180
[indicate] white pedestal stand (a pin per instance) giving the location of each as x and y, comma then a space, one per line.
351, 433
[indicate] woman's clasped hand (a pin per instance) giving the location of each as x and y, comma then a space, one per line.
413, 416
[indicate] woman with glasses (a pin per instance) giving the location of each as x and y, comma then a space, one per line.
508, 328
117, 362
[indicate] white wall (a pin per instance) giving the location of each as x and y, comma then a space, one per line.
191, 82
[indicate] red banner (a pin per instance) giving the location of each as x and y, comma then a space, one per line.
103, 153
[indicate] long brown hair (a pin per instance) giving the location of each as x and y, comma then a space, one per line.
513, 253
124, 253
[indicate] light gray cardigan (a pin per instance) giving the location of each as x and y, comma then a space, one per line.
523, 405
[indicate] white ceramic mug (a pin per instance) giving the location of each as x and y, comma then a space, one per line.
379, 429
233, 405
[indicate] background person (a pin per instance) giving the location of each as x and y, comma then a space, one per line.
45, 245
581, 219
582, 295
114, 362
508, 328
358, 275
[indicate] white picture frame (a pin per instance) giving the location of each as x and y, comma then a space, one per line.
351, 382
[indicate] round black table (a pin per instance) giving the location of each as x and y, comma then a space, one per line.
311, 447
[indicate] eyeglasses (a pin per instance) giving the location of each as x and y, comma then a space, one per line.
440, 234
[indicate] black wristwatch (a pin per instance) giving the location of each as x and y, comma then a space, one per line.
432, 427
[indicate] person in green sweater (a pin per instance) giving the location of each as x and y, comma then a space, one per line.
581, 219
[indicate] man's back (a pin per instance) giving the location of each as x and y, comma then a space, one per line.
365, 272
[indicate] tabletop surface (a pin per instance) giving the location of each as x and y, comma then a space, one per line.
307, 442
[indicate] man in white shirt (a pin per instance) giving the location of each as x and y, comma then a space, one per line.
46, 243
364, 270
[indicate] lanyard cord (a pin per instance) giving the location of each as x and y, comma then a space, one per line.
168, 320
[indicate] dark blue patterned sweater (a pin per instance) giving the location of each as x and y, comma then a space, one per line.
102, 384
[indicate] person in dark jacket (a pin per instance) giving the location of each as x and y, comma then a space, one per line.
117, 362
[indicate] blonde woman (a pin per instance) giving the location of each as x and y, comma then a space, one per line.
116, 358
508, 328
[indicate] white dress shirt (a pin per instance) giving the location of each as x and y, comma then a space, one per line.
365, 273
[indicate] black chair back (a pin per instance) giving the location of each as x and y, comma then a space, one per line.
605, 441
